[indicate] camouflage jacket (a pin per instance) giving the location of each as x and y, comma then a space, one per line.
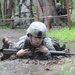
47, 42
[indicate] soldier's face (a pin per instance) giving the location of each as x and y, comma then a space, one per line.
36, 41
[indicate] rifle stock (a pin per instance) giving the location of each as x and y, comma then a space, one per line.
8, 52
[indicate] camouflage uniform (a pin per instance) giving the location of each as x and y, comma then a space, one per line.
47, 42
37, 29
34, 30
25, 12
16, 21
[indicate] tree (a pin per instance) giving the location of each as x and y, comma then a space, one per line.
8, 6
0, 11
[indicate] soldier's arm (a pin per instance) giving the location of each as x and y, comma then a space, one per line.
19, 44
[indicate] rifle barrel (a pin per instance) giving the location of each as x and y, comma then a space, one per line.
57, 52
69, 54
62, 53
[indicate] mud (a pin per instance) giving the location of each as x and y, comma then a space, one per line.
33, 67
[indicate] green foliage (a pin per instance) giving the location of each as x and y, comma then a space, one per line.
27, 74
69, 71
63, 34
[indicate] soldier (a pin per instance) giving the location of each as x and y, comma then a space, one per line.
25, 11
61, 11
35, 44
36, 40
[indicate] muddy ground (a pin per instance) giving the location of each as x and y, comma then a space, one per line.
33, 67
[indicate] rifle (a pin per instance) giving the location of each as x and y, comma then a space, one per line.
8, 52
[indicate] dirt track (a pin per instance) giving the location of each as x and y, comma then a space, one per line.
31, 67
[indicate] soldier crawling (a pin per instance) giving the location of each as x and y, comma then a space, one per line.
36, 41
34, 44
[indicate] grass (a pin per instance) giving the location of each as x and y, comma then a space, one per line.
71, 71
65, 70
63, 34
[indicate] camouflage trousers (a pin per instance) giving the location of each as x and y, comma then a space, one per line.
25, 19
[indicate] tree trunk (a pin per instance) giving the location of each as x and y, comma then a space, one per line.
0, 11
9, 9
5, 7
31, 11
16, 3
52, 21
40, 12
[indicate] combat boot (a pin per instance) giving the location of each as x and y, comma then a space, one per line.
5, 43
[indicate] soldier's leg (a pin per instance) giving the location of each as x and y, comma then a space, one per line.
23, 16
27, 20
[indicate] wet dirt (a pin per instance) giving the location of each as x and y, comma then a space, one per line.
33, 67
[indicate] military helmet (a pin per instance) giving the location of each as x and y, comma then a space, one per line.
58, 5
37, 29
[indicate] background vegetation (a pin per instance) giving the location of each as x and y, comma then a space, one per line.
63, 33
